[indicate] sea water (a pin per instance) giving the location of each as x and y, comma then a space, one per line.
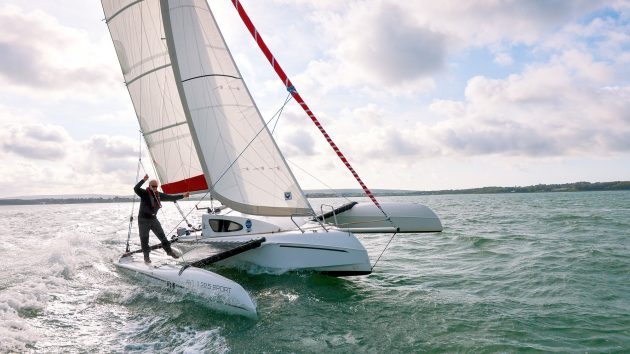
543, 272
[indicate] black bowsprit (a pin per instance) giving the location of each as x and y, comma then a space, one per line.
249, 245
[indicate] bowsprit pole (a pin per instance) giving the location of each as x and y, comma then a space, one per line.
287, 83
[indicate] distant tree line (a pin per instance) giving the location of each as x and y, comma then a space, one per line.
539, 188
64, 201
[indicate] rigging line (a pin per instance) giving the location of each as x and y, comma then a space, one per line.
133, 202
339, 195
390, 240
289, 86
280, 113
190, 211
140, 139
181, 212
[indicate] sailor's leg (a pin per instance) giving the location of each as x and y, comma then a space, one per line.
144, 225
156, 227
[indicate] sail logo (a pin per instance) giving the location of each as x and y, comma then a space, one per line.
288, 196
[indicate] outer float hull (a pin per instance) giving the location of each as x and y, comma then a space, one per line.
222, 294
407, 217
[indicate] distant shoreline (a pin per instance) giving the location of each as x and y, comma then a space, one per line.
539, 188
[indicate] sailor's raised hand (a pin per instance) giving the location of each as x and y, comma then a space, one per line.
186, 195
146, 177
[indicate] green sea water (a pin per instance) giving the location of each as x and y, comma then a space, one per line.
546, 272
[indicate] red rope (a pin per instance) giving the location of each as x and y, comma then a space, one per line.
285, 80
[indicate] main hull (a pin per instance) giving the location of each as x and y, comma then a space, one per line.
222, 294
334, 252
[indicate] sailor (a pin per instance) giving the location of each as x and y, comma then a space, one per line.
150, 203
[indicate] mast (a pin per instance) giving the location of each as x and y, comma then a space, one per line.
170, 45
289, 86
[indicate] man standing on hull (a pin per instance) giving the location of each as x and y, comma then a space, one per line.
150, 204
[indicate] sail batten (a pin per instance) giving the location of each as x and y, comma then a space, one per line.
163, 128
113, 15
147, 73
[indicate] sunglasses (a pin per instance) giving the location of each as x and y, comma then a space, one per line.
153, 186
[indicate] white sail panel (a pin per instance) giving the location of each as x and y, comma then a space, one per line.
243, 162
137, 31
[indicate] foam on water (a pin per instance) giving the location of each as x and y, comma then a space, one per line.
46, 270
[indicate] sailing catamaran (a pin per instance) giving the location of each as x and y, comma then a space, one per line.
205, 134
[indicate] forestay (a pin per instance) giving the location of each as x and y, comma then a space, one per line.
200, 122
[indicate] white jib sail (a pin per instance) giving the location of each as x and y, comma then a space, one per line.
203, 130
242, 161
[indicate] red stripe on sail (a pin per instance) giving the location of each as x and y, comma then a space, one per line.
192, 184
285, 79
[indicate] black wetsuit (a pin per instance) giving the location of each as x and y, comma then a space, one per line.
147, 220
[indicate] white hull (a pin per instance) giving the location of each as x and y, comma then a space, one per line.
334, 252
222, 294
403, 217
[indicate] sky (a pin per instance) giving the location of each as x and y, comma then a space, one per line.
419, 95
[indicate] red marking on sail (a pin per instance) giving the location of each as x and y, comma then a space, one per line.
192, 184
285, 80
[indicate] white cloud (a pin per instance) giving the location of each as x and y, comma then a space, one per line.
503, 59
564, 107
44, 159
44, 58
487, 22
392, 49
40, 142
299, 142
554, 109
398, 48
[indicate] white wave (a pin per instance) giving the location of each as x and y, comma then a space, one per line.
175, 340
16, 306
45, 267
200, 342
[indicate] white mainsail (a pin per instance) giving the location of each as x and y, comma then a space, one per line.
201, 125
137, 32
